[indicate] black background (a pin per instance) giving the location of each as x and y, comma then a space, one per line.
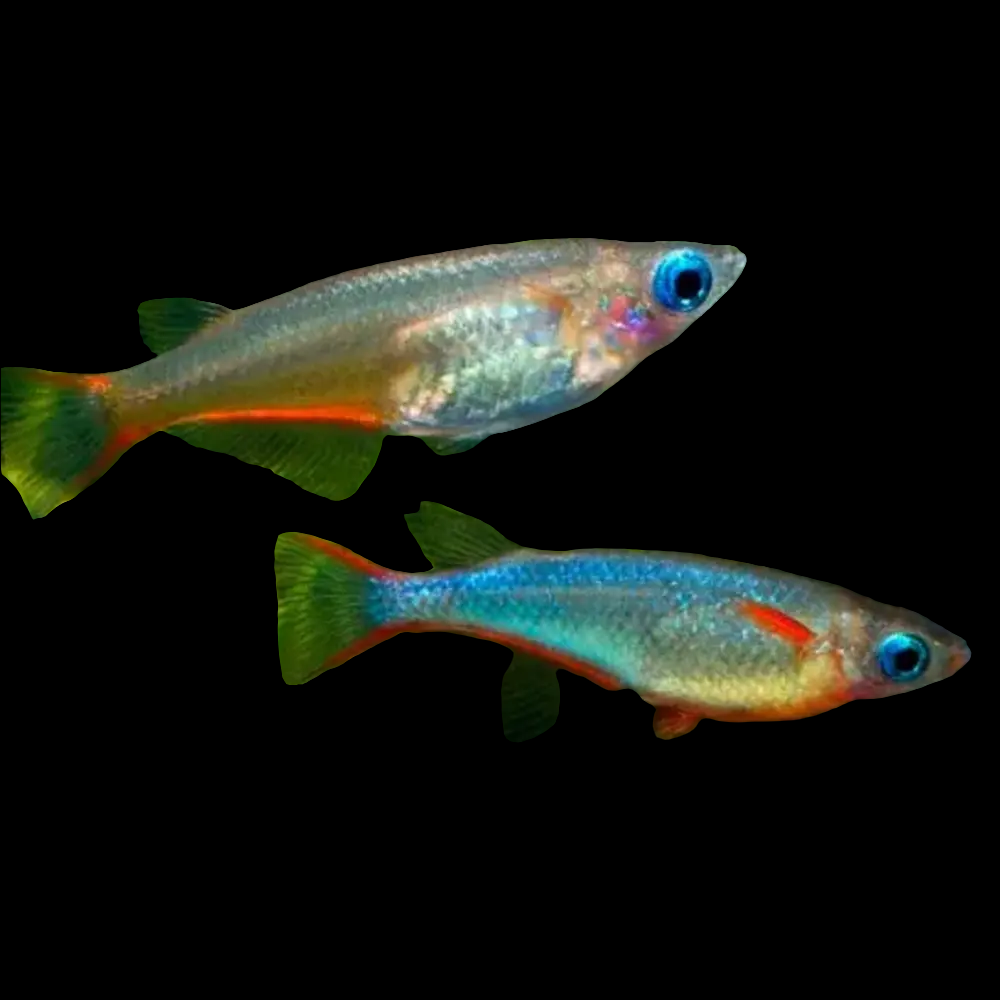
808, 423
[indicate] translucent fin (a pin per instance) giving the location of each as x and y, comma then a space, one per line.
446, 446
327, 459
450, 540
324, 615
57, 435
529, 698
168, 323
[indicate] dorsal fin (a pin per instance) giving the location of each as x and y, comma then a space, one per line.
168, 323
451, 540
529, 700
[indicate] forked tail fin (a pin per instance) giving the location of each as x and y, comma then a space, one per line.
329, 607
57, 434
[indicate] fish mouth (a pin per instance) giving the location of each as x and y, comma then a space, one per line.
737, 261
959, 658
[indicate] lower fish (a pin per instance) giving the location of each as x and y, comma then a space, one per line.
450, 348
697, 638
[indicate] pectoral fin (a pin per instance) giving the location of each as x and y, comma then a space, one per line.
447, 446
669, 723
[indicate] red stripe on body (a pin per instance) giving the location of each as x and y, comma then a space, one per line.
353, 415
129, 435
777, 623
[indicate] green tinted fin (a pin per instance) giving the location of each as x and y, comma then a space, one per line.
324, 602
529, 698
450, 540
57, 435
168, 323
326, 459
446, 446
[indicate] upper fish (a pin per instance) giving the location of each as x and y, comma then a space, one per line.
451, 348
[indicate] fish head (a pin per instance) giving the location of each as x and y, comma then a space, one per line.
640, 297
888, 650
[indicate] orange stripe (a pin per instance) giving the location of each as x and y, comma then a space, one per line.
777, 623
317, 414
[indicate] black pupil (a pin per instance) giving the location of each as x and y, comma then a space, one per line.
906, 660
688, 284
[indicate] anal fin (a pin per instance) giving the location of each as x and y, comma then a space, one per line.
327, 459
529, 698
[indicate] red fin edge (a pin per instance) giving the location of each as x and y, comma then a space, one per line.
371, 640
349, 558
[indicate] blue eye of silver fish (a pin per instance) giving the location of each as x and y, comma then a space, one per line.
903, 657
683, 281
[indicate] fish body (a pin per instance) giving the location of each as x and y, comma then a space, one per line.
696, 637
451, 348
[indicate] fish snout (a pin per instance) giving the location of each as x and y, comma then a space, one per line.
731, 263
959, 657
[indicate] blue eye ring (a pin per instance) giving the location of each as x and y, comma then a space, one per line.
683, 281
903, 657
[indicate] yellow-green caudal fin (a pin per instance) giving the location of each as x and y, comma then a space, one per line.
450, 539
56, 434
328, 459
331, 606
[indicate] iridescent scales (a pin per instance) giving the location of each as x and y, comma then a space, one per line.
451, 348
696, 637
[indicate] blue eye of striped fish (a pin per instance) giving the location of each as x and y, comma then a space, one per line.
683, 281
903, 657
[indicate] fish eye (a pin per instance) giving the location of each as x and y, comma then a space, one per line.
903, 657
683, 280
